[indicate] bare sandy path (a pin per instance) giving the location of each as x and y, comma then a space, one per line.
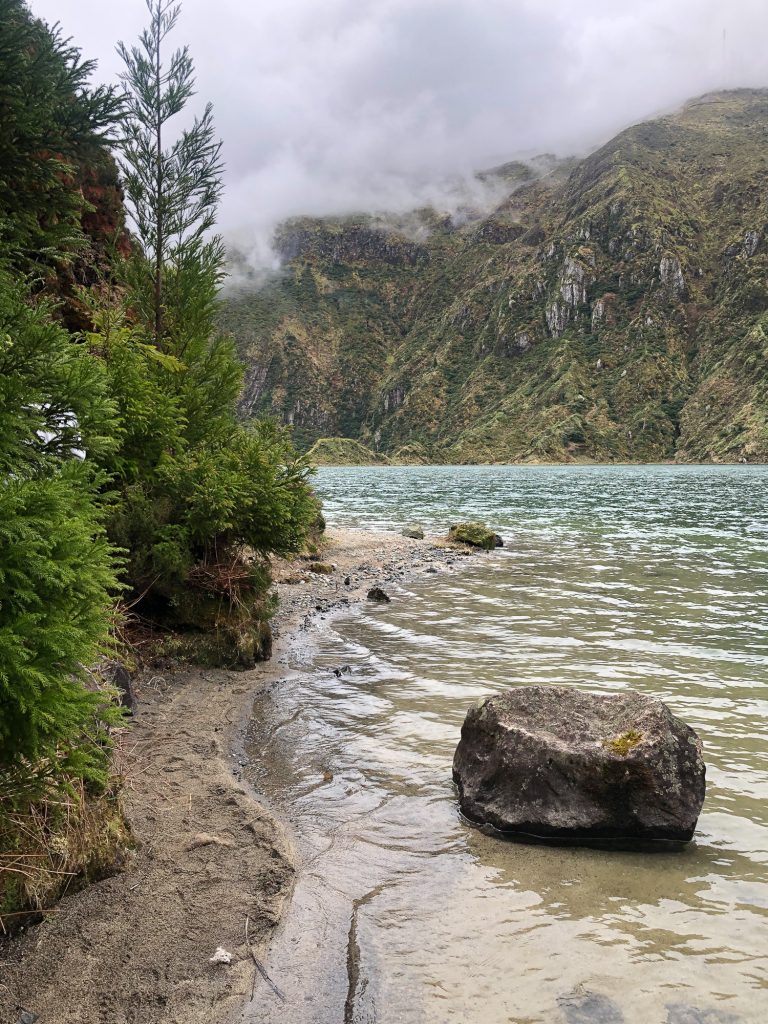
135, 948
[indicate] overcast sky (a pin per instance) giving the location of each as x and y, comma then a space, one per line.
328, 106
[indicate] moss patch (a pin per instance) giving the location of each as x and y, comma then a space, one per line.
621, 745
322, 568
237, 647
62, 839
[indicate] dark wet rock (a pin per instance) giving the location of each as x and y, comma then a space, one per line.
414, 532
378, 595
551, 761
474, 534
498, 542
115, 674
590, 1008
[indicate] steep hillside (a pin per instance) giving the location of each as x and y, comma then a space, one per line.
611, 309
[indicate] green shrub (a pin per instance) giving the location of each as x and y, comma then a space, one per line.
57, 569
194, 486
57, 577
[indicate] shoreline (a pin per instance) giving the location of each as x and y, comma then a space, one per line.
540, 464
208, 854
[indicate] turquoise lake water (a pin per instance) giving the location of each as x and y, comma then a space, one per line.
648, 577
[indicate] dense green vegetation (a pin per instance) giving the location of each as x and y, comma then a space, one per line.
610, 309
126, 475
342, 451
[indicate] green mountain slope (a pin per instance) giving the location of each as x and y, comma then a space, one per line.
612, 309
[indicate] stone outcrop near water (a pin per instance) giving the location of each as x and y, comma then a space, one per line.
557, 762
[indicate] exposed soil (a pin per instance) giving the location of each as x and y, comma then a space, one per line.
136, 947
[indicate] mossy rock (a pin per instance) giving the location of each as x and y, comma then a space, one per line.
474, 534
321, 568
413, 531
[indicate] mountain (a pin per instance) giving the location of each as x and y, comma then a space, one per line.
611, 309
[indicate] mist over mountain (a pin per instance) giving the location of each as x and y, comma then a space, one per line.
372, 105
612, 308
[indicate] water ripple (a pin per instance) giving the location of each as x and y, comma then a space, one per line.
650, 577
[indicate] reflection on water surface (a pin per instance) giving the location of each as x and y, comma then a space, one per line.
647, 577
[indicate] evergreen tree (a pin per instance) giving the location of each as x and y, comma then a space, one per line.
203, 500
51, 122
172, 190
57, 570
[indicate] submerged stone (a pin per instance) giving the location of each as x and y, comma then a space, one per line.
556, 762
378, 595
590, 1008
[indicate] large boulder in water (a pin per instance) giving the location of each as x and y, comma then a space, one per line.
552, 761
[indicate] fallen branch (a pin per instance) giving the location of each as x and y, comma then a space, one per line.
260, 966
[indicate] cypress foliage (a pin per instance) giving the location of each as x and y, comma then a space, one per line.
172, 190
57, 569
51, 123
204, 500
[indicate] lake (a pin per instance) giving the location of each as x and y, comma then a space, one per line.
611, 577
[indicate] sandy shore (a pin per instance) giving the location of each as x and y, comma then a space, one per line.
136, 948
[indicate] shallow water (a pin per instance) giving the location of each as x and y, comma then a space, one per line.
650, 577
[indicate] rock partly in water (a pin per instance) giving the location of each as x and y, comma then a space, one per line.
378, 595
552, 761
474, 534
414, 532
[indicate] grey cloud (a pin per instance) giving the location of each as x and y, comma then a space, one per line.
373, 104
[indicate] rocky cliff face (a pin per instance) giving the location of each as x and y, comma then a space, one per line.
616, 312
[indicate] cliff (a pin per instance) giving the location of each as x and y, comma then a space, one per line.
609, 309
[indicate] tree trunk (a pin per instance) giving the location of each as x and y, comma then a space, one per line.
159, 240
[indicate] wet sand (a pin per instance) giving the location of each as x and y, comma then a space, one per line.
208, 855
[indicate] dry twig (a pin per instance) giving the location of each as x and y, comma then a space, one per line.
260, 966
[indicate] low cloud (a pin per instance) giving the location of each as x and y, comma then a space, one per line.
367, 105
